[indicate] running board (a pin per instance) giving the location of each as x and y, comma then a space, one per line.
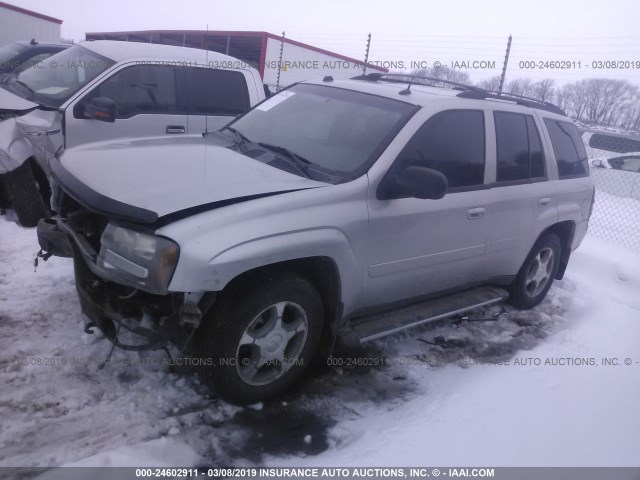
370, 328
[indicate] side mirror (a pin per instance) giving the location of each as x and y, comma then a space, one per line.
414, 182
100, 108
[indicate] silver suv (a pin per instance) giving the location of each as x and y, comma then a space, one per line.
344, 209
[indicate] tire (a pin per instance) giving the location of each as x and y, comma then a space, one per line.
257, 342
537, 273
25, 194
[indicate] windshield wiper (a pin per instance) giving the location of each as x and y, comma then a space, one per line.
32, 93
301, 163
238, 134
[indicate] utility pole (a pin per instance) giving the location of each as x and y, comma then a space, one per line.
504, 67
280, 62
366, 55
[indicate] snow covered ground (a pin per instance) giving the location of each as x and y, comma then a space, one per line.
542, 398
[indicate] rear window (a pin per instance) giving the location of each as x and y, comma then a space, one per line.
613, 143
216, 92
571, 155
8, 53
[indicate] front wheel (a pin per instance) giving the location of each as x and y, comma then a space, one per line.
255, 345
25, 192
537, 273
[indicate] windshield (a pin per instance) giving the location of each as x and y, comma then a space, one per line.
333, 129
7, 53
54, 80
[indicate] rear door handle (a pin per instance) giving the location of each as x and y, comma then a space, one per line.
475, 213
543, 202
175, 129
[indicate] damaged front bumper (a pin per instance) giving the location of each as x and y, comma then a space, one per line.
53, 240
117, 310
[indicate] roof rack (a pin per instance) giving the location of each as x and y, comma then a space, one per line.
467, 91
512, 97
415, 79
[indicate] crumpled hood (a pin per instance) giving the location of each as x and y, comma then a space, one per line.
161, 176
13, 103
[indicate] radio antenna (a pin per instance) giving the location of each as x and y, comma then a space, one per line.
206, 114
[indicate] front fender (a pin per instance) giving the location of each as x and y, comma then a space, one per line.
214, 275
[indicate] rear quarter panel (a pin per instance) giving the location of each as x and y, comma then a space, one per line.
574, 195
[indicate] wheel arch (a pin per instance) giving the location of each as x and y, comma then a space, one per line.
15, 152
565, 231
321, 271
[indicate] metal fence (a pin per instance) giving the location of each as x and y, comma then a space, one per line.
615, 170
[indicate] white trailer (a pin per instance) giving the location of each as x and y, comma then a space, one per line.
18, 23
301, 62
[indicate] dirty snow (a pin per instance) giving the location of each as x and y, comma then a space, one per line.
433, 402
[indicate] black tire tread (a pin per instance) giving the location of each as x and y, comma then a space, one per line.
24, 196
517, 296
221, 322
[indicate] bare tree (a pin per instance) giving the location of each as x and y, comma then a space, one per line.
543, 90
562, 99
491, 84
602, 101
444, 73
630, 115
520, 86
574, 100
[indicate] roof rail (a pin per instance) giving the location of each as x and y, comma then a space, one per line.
512, 97
415, 79
468, 91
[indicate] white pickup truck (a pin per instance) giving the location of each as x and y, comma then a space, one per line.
104, 90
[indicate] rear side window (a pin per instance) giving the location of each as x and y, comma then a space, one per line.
216, 92
453, 143
519, 150
571, 155
141, 89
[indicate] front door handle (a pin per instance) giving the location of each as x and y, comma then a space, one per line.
175, 129
543, 202
475, 213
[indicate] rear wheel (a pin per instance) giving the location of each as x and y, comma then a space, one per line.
537, 273
256, 345
25, 191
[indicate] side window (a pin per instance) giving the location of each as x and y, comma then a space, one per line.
519, 149
571, 155
216, 92
452, 142
141, 89
538, 169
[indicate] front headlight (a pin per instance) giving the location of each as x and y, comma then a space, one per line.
138, 259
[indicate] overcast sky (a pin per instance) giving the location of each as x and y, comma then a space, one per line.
445, 30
